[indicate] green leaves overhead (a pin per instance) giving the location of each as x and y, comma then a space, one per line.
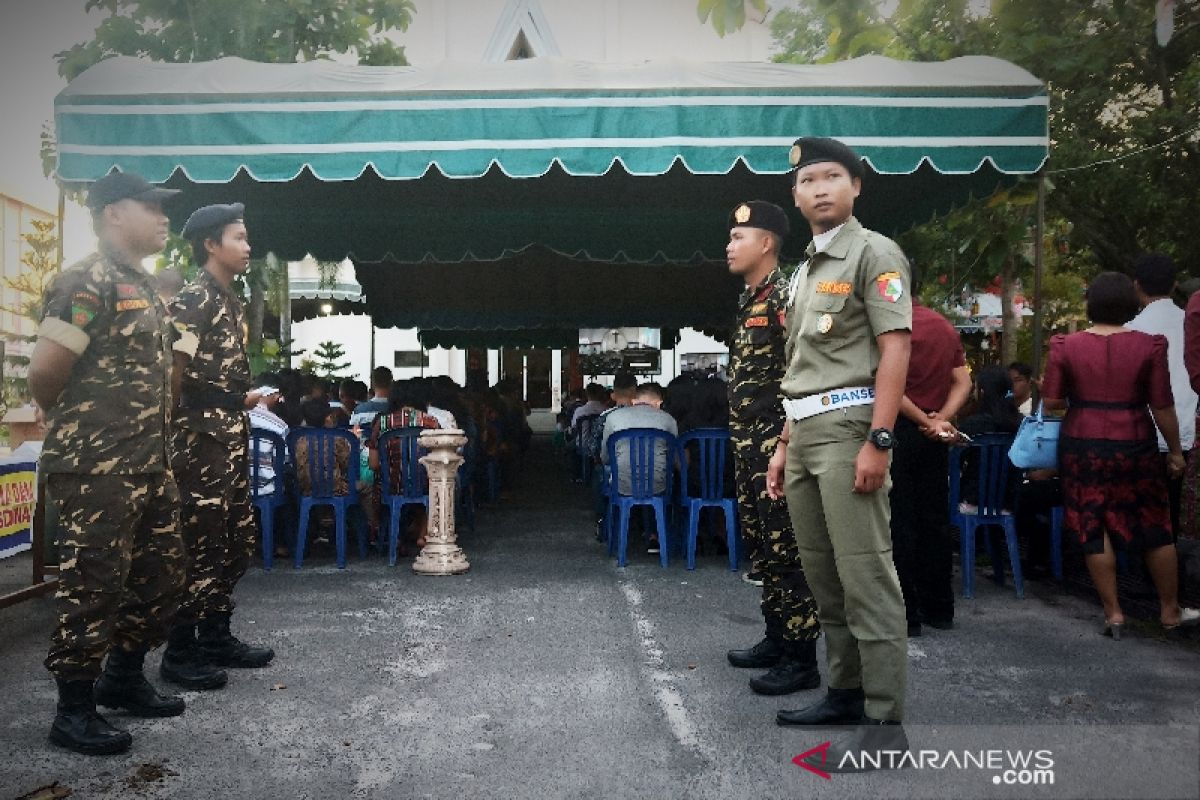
273, 31
728, 16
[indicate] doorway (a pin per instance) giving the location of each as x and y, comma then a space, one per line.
530, 367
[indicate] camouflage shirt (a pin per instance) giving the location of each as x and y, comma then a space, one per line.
113, 415
756, 358
208, 318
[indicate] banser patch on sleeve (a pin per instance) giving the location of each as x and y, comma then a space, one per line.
84, 308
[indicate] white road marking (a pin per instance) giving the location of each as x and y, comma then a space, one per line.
665, 692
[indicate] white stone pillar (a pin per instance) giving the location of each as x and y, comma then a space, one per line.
441, 554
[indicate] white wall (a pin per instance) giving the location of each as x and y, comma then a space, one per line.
353, 332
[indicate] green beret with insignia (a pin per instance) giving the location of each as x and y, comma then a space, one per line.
760, 214
817, 149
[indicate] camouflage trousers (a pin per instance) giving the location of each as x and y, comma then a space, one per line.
788, 606
121, 567
216, 518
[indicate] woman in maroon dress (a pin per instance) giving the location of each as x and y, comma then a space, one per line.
1112, 380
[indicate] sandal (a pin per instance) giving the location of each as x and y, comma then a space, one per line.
1187, 618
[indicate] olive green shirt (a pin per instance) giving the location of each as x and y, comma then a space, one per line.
113, 415
842, 298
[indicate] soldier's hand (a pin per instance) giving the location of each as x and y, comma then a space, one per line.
775, 472
870, 469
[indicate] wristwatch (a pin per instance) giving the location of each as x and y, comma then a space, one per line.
882, 438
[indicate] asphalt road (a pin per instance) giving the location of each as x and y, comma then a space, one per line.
546, 672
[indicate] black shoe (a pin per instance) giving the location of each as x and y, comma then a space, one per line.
77, 725
837, 707
763, 655
185, 664
874, 744
941, 623
124, 685
786, 677
222, 648
914, 630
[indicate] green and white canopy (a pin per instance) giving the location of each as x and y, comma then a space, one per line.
595, 163
211, 120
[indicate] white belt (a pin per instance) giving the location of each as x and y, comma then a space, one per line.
847, 397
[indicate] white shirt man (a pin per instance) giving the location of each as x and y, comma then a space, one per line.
263, 418
1163, 317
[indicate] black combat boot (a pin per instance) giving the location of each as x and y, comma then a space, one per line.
873, 744
837, 707
77, 726
796, 671
224, 649
124, 685
185, 664
763, 655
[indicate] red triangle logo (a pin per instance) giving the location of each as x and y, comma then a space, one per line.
800, 761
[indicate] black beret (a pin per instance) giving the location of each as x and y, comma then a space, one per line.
205, 219
760, 214
816, 149
117, 186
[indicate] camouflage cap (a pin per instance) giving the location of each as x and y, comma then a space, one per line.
760, 214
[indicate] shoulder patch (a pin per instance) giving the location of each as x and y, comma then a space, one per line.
757, 322
84, 308
890, 286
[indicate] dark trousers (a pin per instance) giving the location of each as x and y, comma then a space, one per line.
921, 542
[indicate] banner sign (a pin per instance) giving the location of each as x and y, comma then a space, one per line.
18, 495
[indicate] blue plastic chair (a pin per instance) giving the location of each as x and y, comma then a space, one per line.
410, 480
711, 446
583, 436
994, 466
953, 497
267, 502
321, 459
639, 463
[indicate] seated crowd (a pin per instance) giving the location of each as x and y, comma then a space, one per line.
493, 419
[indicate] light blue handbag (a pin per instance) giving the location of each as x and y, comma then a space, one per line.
1036, 445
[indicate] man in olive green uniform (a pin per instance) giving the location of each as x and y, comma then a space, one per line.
757, 363
849, 326
101, 371
211, 381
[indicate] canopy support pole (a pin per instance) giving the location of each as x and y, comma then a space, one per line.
1039, 246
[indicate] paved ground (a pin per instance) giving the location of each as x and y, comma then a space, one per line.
548, 673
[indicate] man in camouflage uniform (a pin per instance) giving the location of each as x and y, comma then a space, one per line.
100, 370
211, 382
757, 365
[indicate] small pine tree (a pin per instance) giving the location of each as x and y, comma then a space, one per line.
40, 259
327, 360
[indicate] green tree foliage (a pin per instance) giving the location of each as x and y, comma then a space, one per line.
327, 360
40, 261
727, 16
270, 31
1115, 93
